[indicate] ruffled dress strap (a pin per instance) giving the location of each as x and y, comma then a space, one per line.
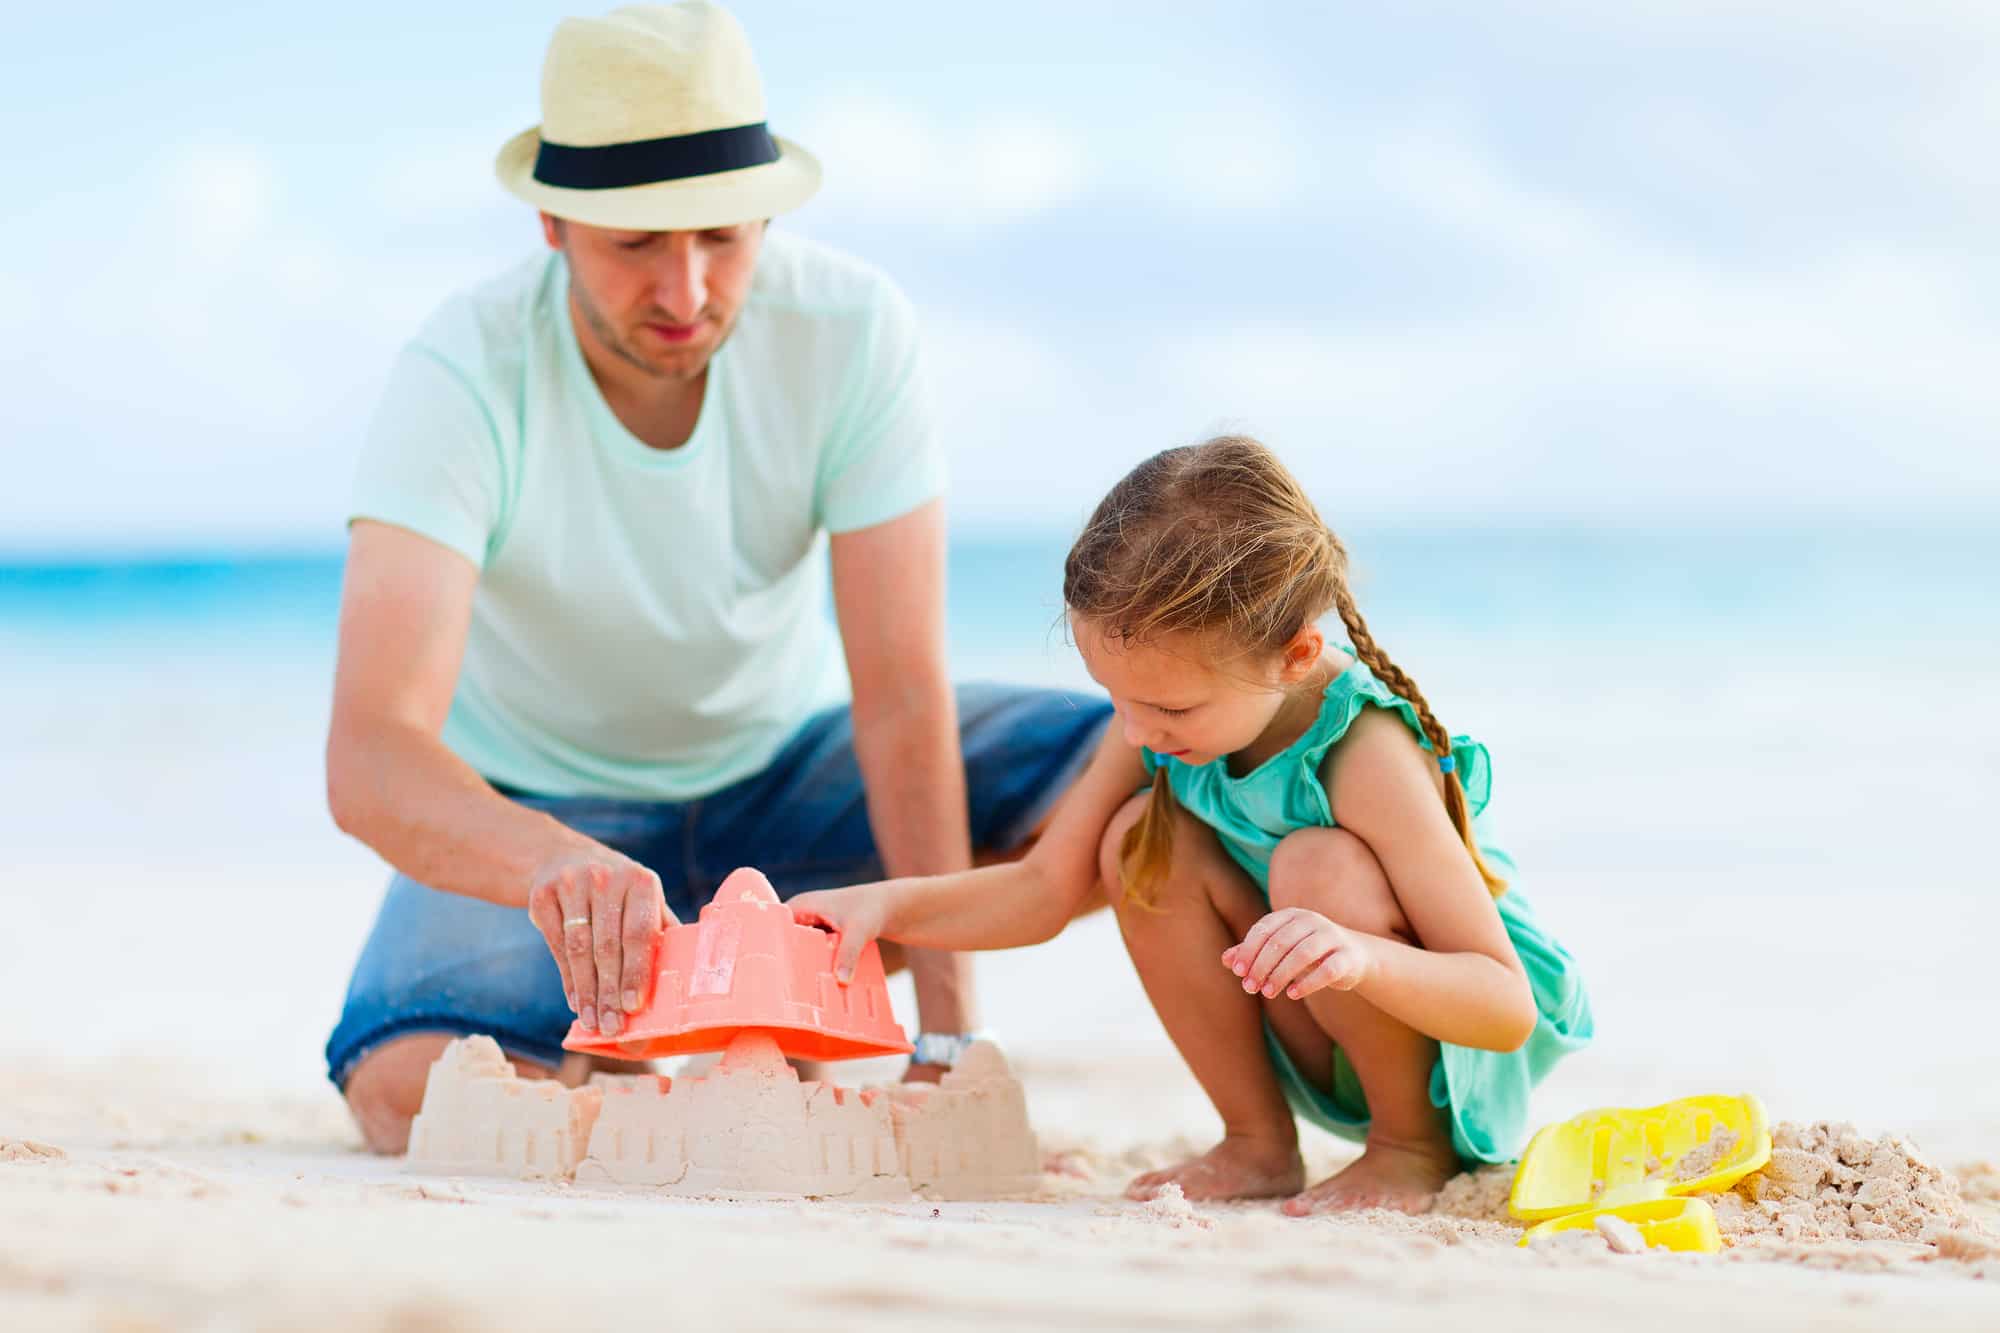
1357, 688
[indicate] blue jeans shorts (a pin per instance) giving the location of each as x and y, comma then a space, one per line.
442, 962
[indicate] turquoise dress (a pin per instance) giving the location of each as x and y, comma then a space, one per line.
1485, 1092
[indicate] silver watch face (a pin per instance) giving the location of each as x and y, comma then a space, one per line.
938, 1048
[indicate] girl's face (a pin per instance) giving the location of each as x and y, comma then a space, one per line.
1171, 700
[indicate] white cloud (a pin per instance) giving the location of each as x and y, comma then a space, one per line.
442, 177
1016, 168
1226, 155
1449, 177
1841, 317
1937, 24
885, 158
1956, 134
218, 196
197, 347
207, 371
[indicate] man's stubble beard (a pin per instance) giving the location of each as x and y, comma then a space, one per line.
609, 336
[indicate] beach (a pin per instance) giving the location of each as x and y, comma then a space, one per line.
1759, 829
179, 1203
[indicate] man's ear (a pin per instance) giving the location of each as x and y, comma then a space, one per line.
1302, 654
552, 231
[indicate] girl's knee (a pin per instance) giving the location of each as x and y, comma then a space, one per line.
1334, 873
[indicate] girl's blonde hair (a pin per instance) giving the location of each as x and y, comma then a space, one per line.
1219, 540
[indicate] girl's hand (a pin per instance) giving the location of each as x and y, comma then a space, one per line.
1298, 952
855, 915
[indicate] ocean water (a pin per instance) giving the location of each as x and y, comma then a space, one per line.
1749, 774
1645, 672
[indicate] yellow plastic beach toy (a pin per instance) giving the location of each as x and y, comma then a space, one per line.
1637, 1164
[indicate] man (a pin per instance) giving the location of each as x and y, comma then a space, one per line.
584, 666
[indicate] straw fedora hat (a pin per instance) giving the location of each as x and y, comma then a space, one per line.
653, 120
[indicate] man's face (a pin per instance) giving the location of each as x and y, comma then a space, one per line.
662, 302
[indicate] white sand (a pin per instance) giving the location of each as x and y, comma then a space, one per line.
189, 1197
1776, 875
172, 1208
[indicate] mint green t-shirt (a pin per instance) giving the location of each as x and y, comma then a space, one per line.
651, 623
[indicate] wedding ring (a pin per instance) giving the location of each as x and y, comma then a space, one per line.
576, 921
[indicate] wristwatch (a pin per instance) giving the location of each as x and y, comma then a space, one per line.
944, 1048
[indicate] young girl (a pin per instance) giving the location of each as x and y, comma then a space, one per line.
1304, 888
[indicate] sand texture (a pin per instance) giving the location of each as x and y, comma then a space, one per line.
169, 1172
130, 1199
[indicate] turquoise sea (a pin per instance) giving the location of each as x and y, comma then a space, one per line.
1644, 654
1767, 588
1747, 771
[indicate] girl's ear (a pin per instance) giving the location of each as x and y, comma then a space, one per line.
1302, 655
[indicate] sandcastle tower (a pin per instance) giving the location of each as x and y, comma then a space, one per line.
480, 1118
969, 1137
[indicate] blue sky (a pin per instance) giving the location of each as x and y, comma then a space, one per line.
1654, 260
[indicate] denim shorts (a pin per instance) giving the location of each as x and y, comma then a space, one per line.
442, 962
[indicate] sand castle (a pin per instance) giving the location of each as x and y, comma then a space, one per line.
749, 1128
750, 981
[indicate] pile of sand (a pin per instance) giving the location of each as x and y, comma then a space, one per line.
1827, 1195
1478, 1196
1826, 1182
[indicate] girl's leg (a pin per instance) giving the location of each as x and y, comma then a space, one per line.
1204, 905
1409, 1154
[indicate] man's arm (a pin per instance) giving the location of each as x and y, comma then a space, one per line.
888, 590
392, 783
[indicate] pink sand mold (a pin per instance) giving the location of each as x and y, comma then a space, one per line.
747, 965
480, 1118
751, 1128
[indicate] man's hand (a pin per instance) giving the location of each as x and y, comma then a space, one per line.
855, 915
1296, 952
600, 914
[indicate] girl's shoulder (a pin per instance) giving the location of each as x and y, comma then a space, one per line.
1353, 691
1365, 730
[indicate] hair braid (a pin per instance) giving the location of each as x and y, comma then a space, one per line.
1147, 849
1398, 681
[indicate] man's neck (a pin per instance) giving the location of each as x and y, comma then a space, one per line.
659, 410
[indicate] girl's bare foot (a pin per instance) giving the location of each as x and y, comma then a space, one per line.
1401, 1176
1236, 1168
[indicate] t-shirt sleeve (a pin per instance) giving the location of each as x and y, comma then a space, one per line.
883, 458
431, 460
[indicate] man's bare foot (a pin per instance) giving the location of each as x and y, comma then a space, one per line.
1236, 1168
1400, 1176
